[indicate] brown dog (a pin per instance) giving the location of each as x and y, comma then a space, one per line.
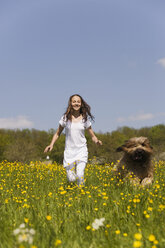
136, 161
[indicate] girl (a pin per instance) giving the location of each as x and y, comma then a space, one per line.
75, 121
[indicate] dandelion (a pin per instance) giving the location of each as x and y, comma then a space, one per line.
151, 238
58, 242
155, 242
97, 223
26, 220
50, 194
117, 232
138, 236
63, 192
88, 227
137, 244
108, 226
48, 217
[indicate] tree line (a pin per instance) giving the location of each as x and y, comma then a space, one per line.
28, 144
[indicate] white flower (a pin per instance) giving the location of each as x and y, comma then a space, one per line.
30, 240
16, 231
24, 234
47, 157
32, 231
97, 223
22, 225
22, 238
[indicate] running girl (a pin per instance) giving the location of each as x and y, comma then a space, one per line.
75, 120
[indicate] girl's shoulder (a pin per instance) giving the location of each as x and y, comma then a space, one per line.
87, 123
63, 121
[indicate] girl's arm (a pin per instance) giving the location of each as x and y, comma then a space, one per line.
93, 136
55, 137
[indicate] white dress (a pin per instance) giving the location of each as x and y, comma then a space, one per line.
75, 141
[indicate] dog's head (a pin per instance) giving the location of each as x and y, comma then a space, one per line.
137, 148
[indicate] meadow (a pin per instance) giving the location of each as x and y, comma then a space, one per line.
39, 209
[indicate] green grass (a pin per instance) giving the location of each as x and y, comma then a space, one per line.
62, 215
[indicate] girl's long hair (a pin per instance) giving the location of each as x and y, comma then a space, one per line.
85, 110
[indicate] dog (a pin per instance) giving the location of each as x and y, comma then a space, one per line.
136, 162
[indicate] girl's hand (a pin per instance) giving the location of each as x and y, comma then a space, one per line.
97, 141
48, 148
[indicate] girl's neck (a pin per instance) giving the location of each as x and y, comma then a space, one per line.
76, 114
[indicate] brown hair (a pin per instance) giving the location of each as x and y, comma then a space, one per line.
85, 109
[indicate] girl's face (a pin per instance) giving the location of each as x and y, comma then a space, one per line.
76, 103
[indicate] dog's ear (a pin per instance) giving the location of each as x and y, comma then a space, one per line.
120, 148
148, 143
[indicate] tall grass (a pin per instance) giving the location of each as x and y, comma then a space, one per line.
53, 213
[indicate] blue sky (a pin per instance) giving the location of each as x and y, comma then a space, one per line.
112, 52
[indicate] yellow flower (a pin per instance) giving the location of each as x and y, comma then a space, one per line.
138, 236
50, 194
58, 242
63, 192
125, 234
88, 227
48, 217
26, 220
151, 237
137, 244
117, 231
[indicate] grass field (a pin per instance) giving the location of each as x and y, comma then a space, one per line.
38, 209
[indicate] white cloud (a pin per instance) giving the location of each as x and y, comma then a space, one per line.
161, 62
161, 114
138, 117
121, 119
141, 117
17, 122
